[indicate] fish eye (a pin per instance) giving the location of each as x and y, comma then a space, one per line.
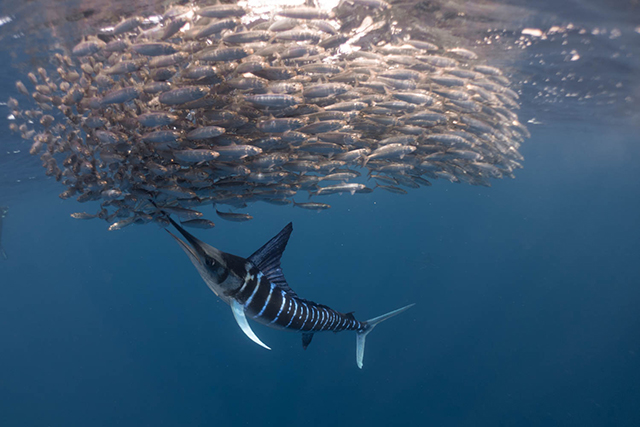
209, 262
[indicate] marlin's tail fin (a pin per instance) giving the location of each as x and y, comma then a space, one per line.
370, 324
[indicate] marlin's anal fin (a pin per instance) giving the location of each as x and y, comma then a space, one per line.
238, 313
306, 340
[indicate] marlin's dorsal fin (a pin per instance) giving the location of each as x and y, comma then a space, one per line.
267, 259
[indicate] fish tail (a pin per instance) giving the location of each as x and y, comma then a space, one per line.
369, 325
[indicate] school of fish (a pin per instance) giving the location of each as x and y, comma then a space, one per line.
225, 106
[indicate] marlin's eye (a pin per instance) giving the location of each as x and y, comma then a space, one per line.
209, 262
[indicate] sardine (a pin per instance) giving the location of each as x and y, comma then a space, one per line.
340, 188
198, 223
182, 95
234, 217
312, 206
195, 155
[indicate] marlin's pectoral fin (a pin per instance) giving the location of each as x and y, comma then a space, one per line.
238, 313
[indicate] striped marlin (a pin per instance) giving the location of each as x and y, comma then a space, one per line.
255, 287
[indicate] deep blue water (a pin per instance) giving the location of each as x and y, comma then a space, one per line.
526, 308
526, 293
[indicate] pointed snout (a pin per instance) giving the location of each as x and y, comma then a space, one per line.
198, 251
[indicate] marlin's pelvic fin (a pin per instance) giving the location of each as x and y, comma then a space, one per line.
370, 324
238, 313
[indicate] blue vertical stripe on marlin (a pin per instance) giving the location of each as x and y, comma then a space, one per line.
256, 287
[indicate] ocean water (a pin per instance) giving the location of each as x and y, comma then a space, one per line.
526, 293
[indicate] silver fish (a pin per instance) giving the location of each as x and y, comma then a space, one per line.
391, 151
120, 96
206, 132
305, 13
122, 223
82, 215
222, 11
279, 125
234, 217
340, 188
236, 152
312, 206
182, 95
182, 213
168, 60
156, 119
196, 155
198, 223
153, 49
89, 47
277, 101
223, 54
